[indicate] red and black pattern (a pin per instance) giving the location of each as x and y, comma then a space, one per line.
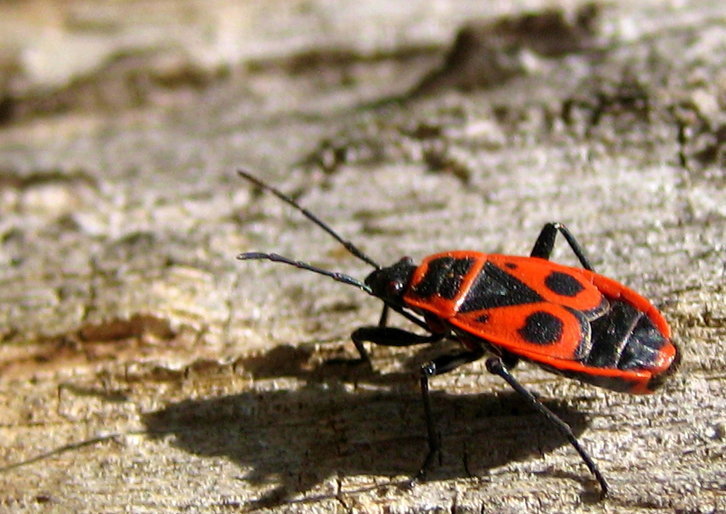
547, 313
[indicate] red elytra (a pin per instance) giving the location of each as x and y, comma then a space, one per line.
570, 321
501, 325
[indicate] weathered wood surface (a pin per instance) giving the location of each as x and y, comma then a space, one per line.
123, 310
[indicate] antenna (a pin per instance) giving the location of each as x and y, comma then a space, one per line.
337, 276
340, 277
354, 250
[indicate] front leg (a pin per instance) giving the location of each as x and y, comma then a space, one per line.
388, 336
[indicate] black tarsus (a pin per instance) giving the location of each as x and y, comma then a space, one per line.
354, 250
546, 242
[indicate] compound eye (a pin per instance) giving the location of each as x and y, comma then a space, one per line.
394, 288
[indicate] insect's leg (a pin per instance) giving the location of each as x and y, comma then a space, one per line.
383, 320
495, 366
546, 242
438, 366
388, 336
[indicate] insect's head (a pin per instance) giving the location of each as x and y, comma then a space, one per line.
390, 283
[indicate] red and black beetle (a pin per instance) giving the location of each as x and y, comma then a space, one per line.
570, 321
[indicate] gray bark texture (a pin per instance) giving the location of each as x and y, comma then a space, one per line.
144, 369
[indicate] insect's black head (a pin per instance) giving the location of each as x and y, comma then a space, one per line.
389, 284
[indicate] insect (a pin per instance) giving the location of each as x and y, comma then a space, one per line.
567, 320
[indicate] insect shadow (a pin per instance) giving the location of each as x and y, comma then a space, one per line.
299, 439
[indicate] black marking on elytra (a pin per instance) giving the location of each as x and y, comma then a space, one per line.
429, 284
494, 287
541, 327
510, 265
451, 284
483, 318
563, 284
443, 277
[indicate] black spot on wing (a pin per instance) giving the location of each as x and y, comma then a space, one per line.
451, 282
443, 277
563, 284
541, 327
494, 287
429, 284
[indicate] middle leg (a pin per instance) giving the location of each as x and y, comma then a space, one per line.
438, 366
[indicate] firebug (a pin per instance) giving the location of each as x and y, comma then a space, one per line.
567, 320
